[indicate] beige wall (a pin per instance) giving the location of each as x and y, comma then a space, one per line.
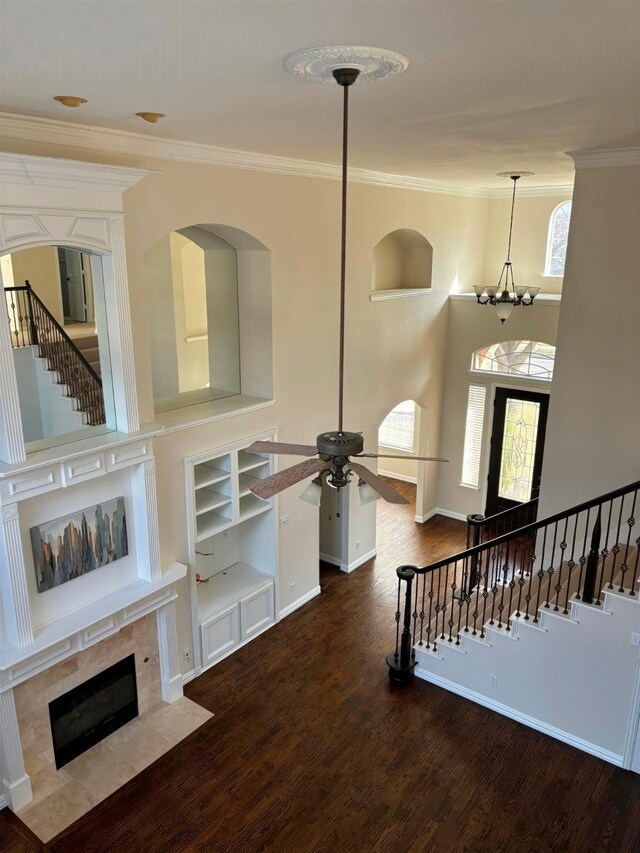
471, 327
40, 267
593, 428
395, 349
529, 246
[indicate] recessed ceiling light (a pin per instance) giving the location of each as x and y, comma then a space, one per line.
70, 100
151, 117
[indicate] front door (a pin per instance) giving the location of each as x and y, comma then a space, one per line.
517, 447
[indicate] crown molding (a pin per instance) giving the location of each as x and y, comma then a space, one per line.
533, 192
52, 172
605, 157
56, 132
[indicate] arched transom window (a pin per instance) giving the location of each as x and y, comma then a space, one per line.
518, 358
557, 239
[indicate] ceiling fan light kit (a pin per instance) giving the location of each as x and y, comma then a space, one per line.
500, 296
335, 449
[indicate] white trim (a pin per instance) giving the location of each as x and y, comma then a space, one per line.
420, 519
605, 157
393, 475
327, 558
299, 602
53, 172
3, 802
356, 563
398, 293
449, 513
189, 676
34, 129
532, 192
214, 410
519, 717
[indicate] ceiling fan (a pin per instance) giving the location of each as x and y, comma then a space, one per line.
336, 450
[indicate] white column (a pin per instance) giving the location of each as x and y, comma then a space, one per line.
16, 784
170, 675
11, 438
120, 335
146, 514
13, 580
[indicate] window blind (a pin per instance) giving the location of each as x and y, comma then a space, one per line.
397, 429
473, 436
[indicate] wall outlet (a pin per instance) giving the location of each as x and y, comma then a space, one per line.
493, 680
284, 519
292, 588
187, 655
635, 639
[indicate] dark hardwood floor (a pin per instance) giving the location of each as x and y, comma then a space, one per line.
311, 749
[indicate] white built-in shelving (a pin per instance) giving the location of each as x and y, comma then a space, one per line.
234, 549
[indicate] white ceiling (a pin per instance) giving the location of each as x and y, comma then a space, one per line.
493, 85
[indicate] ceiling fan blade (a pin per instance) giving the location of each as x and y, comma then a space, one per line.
283, 479
382, 488
400, 456
280, 447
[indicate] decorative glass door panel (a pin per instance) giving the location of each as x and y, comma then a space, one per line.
517, 446
518, 449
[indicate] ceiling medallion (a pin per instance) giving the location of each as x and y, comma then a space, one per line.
317, 64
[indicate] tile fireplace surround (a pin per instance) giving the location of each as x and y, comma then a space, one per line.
62, 796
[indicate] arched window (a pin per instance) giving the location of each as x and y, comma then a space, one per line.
397, 430
518, 358
557, 239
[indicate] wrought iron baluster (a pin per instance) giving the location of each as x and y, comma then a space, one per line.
615, 550
630, 523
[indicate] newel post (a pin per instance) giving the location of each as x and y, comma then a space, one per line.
592, 562
474, 535
401, 662
33, 329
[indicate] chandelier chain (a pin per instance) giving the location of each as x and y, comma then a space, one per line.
513, 204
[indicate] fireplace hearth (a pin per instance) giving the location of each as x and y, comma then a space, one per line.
90, 712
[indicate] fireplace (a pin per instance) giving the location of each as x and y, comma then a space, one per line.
93, 710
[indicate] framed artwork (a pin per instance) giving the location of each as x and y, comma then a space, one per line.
77, 544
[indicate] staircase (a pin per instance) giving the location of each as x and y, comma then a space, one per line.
541, 624
88, 347
72, 364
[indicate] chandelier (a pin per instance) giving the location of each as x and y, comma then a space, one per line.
507, 294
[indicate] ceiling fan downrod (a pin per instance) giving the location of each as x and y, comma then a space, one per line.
344, 77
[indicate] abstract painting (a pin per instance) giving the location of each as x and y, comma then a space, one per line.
76, 544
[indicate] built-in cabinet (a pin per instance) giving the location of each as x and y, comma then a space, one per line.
234, 550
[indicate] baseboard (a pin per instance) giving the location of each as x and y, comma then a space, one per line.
449, 513
299, 602
327, 558
358, 562
519, 717
420, 519
189, 676
3, 801
393, 475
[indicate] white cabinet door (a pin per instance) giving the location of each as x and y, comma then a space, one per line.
256, 611
219, 634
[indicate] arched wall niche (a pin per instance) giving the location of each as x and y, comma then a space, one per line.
402, 260
209, 297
